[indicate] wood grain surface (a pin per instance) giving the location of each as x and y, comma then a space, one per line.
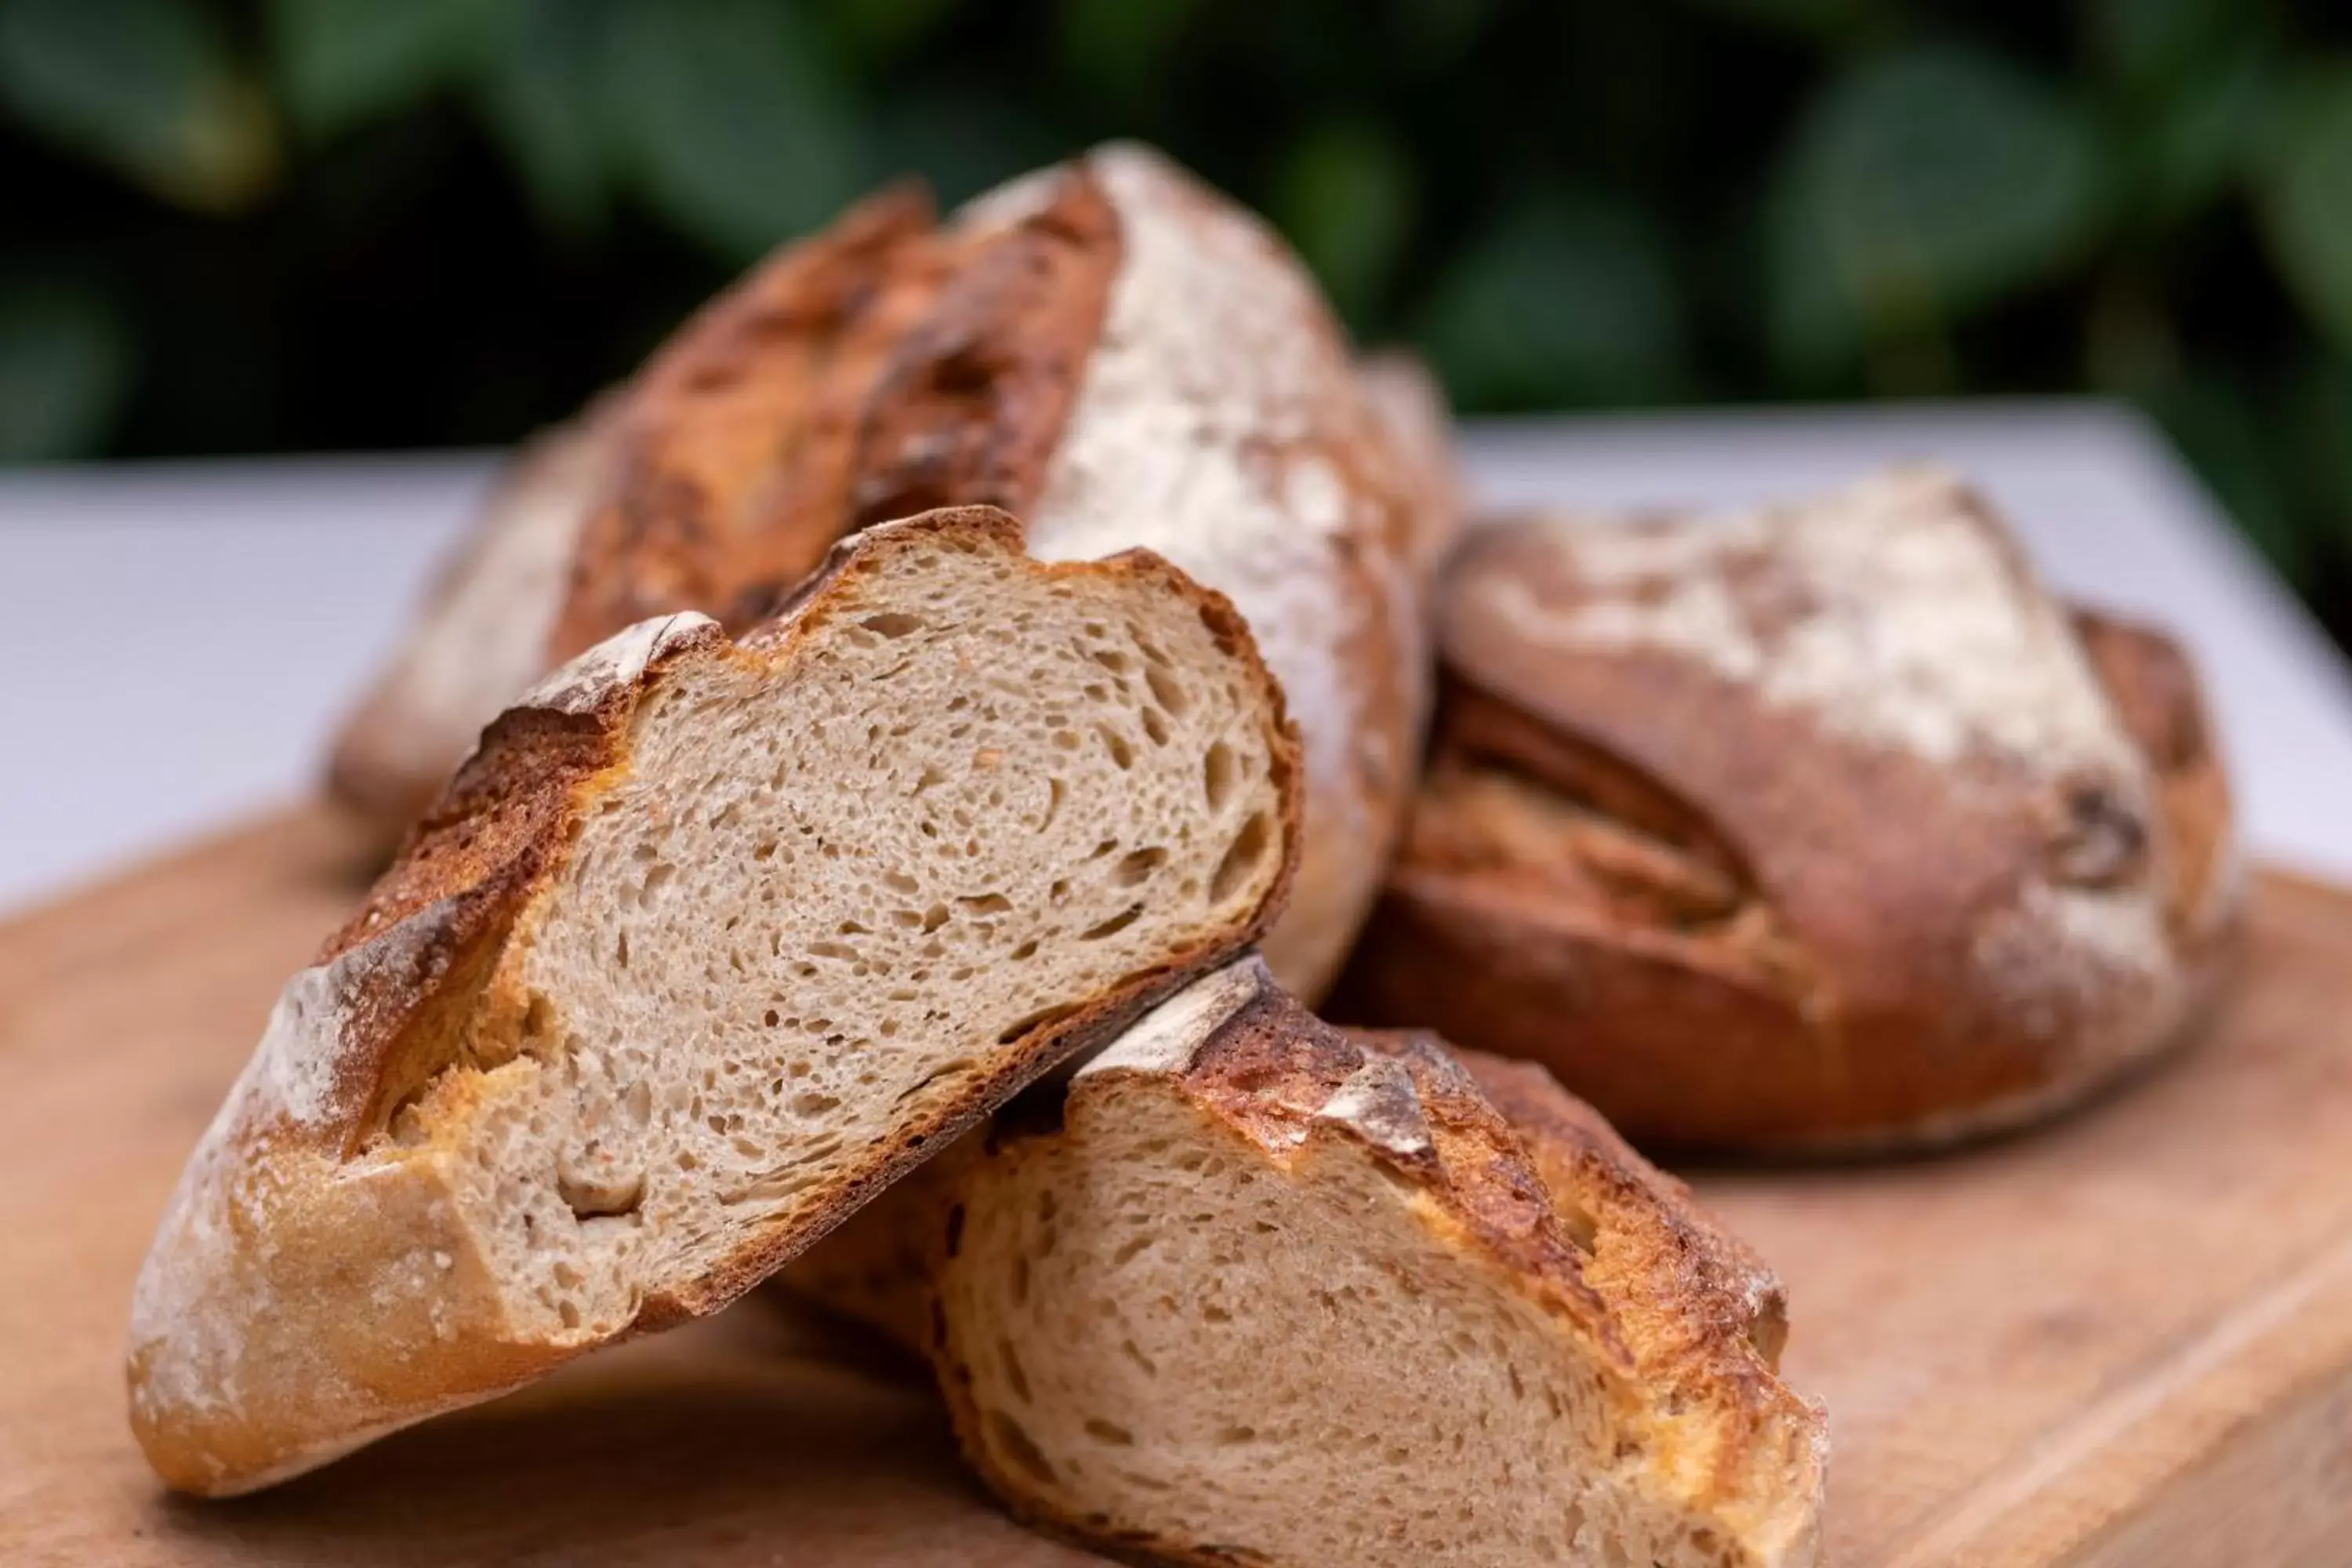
2125, 1343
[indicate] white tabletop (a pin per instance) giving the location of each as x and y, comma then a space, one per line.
179, 638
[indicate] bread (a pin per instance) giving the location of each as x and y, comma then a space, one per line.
709, 941
709, 481
1110, 350
482, 634
1272, 1293
1818, 828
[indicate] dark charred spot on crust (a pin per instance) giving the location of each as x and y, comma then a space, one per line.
2097, 841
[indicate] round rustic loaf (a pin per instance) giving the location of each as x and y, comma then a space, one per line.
1823, 827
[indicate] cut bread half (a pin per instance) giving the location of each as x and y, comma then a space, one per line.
1280, 1294
709, 942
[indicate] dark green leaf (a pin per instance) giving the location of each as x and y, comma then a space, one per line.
1117, 49
2219, 429
341, 63
2307, 200
732, 128
1928, 184
146, 86
1345, 194
1569, 299
2321, 425
2201, 136
877, 30
65, 364
2149, 45
1826, 20
962, 140
540, 98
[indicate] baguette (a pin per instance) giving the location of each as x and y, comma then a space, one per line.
706, 943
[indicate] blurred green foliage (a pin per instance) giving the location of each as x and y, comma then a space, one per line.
370, 223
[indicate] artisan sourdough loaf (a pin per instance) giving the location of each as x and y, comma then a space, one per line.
1107, 349
1817, 827
706, 943
1276, 1293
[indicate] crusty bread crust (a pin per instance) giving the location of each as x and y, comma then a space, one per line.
481, 632
735, 454
312, 1283
1107, 348
1532, 1190
1220, 422
1758, 850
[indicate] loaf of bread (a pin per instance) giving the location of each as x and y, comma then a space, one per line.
1107, 349
1261, 1291
706, 943
1814, 828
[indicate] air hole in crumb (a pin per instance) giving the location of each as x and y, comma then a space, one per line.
1121, 752
1021, 1448
892, 624
1036, 1020
1169, 690
1139, 866
1217, 776
1025, 951
600, 1196
1248, 848
1155, 726
1113, 926
1103, 1431
987, 904
1016, 1376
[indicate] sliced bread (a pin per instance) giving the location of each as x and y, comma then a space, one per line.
706, 944
1271, 1292
1108, 347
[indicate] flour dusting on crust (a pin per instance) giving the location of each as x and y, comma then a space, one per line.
1379, 1104
1210, 428
1893, 612
1168, 1038
616, 662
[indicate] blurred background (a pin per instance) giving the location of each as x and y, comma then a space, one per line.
381, 224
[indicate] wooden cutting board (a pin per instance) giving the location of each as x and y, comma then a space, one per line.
2126, 1343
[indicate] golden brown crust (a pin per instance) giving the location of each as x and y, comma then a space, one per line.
1732, 919
482, 628
1684, 1318
311, 1285
973, 398
735, 454
2156, 692
1411, 408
